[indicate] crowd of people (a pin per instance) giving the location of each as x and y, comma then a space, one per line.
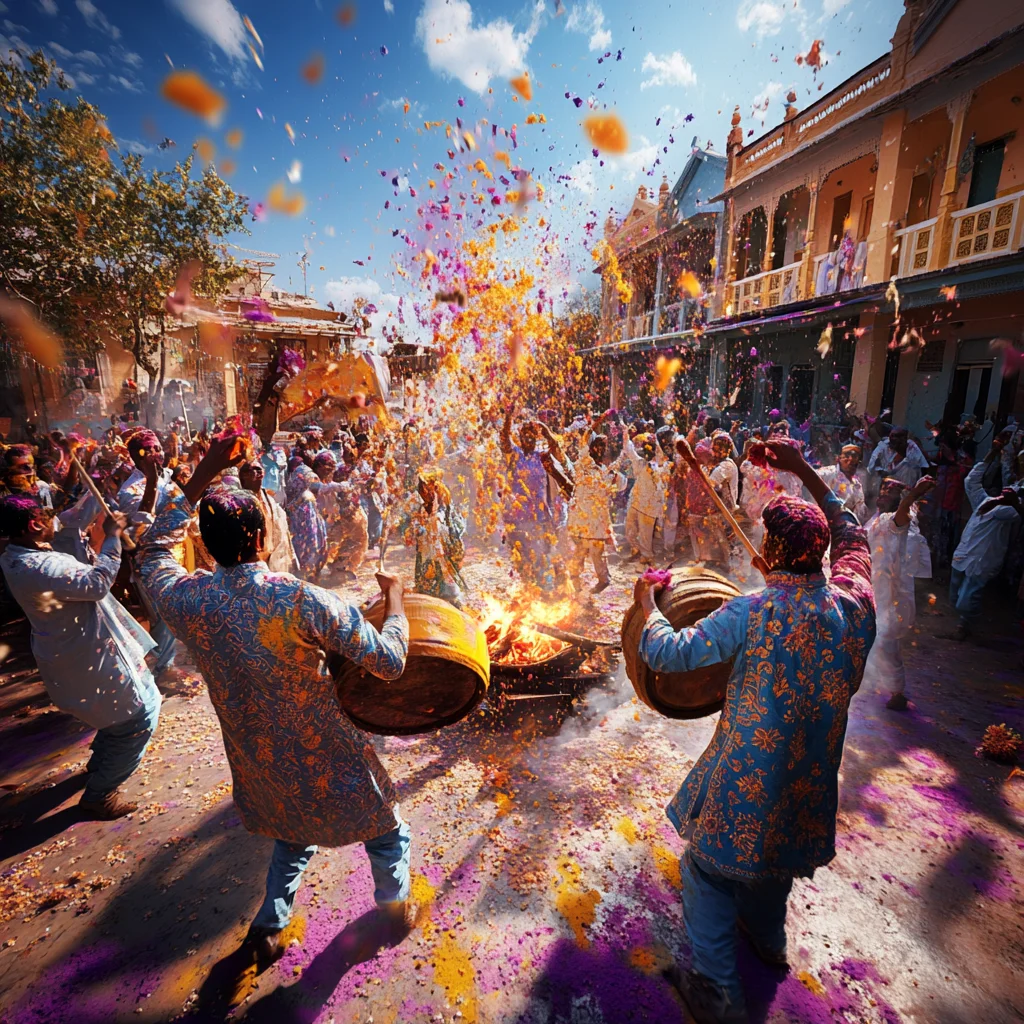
235, 547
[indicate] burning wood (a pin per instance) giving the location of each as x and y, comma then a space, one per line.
511, 636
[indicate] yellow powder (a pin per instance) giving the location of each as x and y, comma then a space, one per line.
627, 829
453, 971
576, 905
667, 863
811, 983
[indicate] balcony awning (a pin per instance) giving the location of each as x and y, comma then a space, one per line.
679, 339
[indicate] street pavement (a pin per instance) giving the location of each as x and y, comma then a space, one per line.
547, 870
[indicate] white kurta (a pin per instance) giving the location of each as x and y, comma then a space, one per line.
590, 516
648, 495
898, 556
90, 652
849, 492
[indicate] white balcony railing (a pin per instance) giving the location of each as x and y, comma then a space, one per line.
771, 288
916, 244
989, 229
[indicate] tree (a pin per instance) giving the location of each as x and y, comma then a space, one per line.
96, 245
55, 187
157, 222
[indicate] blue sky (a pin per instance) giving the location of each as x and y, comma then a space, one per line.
668, 60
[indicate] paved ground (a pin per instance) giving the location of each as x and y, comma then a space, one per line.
542, 850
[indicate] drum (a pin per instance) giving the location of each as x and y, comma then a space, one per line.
694, 593
446, 674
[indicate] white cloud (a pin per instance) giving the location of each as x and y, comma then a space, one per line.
588, 19
49, 7
10, 50
474, 54
84, 56
84, 78
343, 291
830, 7
640, 160
765, 17
135, 146
218, 21
670, 69
96, 19
389, 7
760, 103
133, 60
582, 175
125, 83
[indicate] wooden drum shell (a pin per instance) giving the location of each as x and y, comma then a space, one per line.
446, 673
695, 593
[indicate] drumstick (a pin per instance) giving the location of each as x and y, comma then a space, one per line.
126, 541
730, 518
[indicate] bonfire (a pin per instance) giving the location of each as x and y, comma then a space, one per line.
512, 639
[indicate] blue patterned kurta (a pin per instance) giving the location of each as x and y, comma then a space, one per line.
301, 770
763, 796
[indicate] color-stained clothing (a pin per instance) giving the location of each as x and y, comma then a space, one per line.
849, 492
648, 494
437, 536
301, 770
590, 514
526, 501
763, 796
90, 652
280, 552
129, 497
309, 531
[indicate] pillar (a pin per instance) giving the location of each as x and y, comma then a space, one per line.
888, 206
769, 242
957, 111
614, 384
869, 363
659, 279
807, 270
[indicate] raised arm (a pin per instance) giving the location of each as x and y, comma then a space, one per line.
505, 437
850, 553
976, 494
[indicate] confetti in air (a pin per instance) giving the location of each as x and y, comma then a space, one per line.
188, 90
607, 133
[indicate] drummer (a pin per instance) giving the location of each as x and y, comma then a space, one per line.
759, 807
301, 772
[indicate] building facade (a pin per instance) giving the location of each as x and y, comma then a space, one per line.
665, 250
870, 253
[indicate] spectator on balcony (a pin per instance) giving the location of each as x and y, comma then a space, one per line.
899, 457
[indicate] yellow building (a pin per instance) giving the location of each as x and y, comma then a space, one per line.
910, 174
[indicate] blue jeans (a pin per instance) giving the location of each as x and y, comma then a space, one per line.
965, 595
164, 645
711, 905
118, 749
389, 863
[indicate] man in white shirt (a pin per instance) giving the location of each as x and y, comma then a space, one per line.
899, 457
899, 555
90, 652
590, 517
842, 480
646, 512
982, 548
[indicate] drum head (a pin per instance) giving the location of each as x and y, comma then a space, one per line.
431, 693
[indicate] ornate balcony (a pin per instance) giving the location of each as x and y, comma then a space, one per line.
761, 291
989, 229
915, 248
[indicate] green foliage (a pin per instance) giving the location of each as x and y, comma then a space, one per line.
95, 243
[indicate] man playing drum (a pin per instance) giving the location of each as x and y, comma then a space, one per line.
759, 807
301, 772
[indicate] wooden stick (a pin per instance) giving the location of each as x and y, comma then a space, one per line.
730, 518
126, 541
383, 538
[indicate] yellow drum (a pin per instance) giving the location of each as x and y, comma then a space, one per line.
446, 675
694, 594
